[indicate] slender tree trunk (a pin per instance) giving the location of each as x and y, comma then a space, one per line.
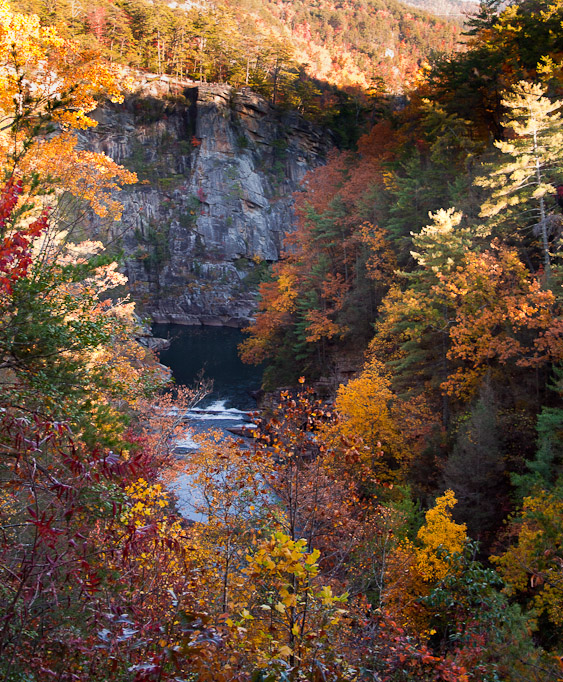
158, 51
226, 577
543, 218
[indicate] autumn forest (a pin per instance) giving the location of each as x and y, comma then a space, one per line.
397, 513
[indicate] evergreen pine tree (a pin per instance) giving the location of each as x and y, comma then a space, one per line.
520, 184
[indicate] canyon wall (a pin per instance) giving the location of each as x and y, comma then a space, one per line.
217, 169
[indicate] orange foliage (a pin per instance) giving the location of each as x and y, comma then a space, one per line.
502, 315
276, 305
365, 408
46, 80
379, 143
325, 254
381, 263
322, 184
90, 176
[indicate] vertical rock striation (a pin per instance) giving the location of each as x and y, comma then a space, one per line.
217, 170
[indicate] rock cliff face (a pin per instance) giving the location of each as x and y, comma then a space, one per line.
217, 169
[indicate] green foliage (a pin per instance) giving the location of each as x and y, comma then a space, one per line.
423, 182
136, 161
506, 45
473, 618
414, 322
155, 244
257, 273
415, 195
170, 183
531, 563
242, 141
546, 469
44, 334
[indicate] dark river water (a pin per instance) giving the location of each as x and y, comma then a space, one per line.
213, 350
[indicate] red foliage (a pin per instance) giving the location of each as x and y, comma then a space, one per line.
15, 252
397, 654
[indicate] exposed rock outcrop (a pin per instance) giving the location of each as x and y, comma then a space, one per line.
217, 169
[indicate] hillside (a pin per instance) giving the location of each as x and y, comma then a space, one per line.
288, 51
373, 44
454, 10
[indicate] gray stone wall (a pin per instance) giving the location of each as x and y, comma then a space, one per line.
217, 169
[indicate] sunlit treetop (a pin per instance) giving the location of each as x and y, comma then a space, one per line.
48, 85
45, 77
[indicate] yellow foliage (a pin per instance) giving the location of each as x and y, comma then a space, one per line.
290, 613
45, 79
287, 293
410, 571
39, 67
532, 566
281, 556
364, 405
403, 588
90, 176
229, 492
439, 532
144, 501
147, 506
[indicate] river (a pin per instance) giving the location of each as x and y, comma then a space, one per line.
213, 350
